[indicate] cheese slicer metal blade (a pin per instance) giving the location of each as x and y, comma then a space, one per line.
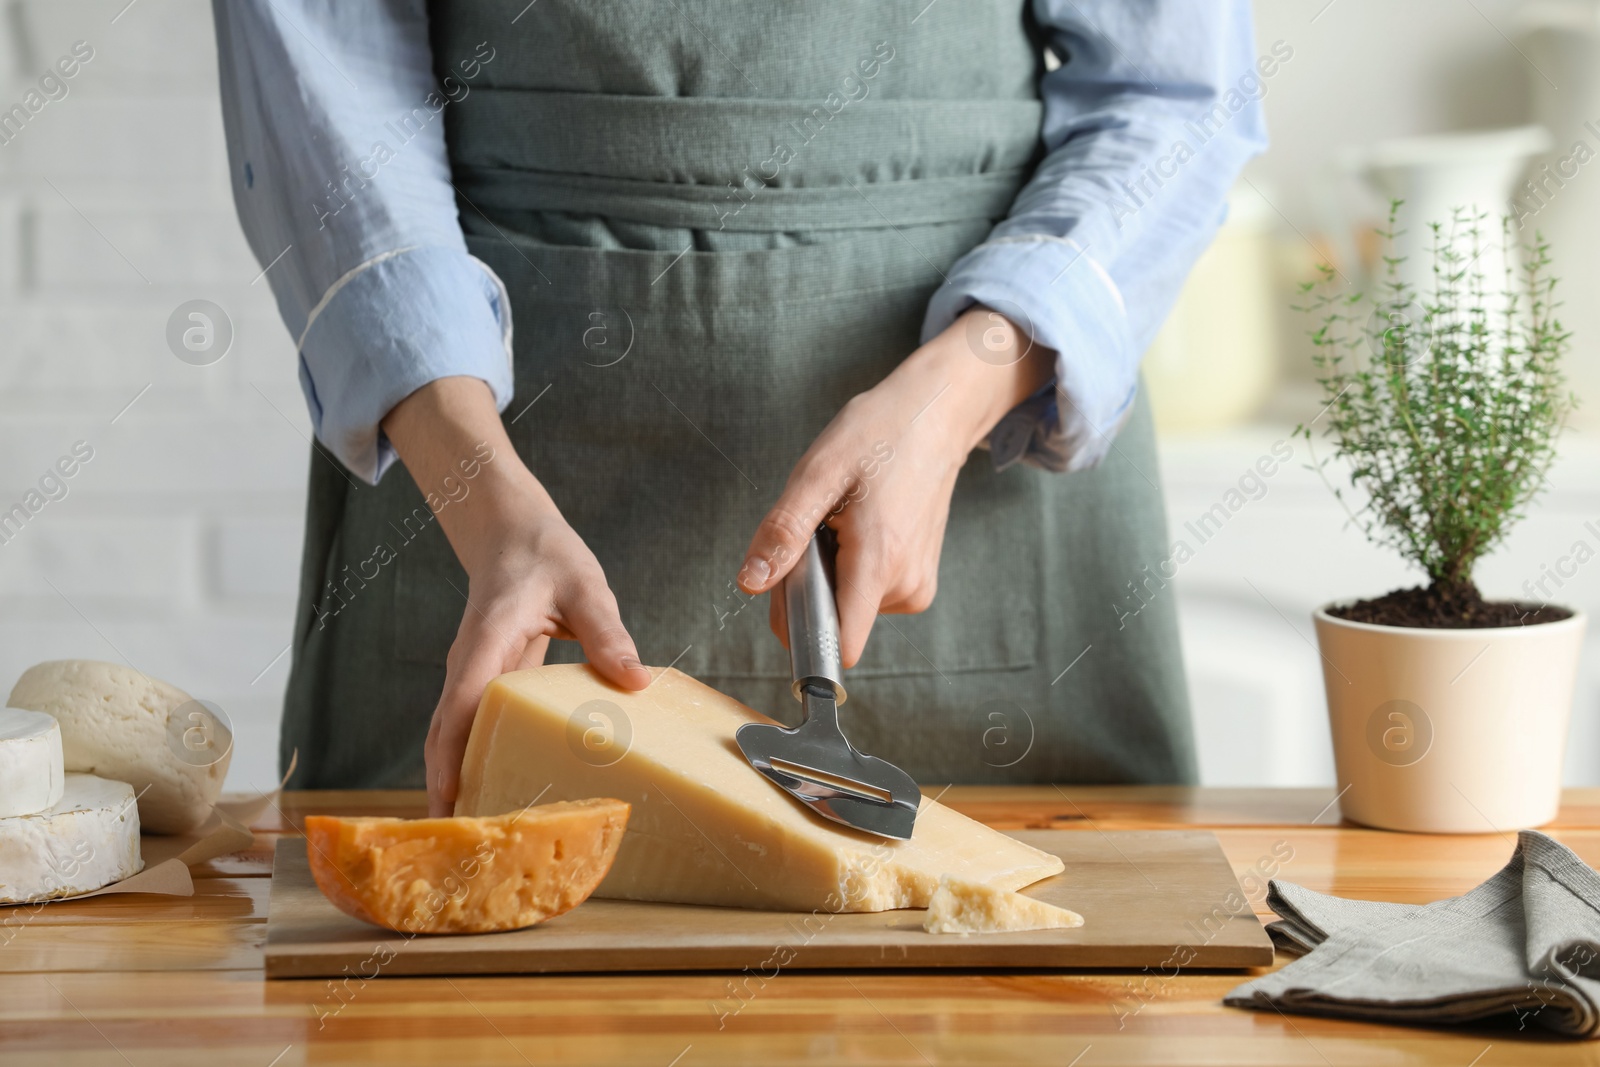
814, 762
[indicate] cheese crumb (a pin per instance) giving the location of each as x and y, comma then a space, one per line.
960, 907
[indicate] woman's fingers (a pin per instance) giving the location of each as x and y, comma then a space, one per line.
811, 495
778, 617
480, 654
881, 546
514, 634
531, 656
778, 543
883, 482
592, 616
857, 593
920, 577
861, 576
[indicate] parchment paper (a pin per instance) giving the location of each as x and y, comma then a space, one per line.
168, 857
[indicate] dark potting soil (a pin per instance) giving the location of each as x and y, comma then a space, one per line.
1434, 608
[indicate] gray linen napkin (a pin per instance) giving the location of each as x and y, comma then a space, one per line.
1526, 942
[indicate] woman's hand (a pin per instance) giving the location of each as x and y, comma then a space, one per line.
882, 472
530, 577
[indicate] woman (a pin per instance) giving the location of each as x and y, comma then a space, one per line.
770, 265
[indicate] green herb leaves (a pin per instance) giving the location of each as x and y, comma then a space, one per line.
1445, 405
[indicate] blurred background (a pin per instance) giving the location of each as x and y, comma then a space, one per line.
176, 546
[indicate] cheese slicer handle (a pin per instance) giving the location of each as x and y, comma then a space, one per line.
813, 616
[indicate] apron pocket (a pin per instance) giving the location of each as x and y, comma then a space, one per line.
985, 615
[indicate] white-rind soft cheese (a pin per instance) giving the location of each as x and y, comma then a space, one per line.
87, 840
117, 723
30, 762
705, 827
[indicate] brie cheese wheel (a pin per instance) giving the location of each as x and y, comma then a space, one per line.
960, 907
30, 762
130, 727
706, 827
85, 841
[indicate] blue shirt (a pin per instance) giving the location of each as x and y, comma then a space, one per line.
1147, 122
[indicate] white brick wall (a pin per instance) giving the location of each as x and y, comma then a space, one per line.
178, 545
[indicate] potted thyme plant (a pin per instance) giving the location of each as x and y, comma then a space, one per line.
1449, 711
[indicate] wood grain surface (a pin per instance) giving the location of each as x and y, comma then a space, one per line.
156, 982
1149, 898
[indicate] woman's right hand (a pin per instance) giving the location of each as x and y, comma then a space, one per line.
530, 577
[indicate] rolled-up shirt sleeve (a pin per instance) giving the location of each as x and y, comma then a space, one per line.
1148, 121
336, 148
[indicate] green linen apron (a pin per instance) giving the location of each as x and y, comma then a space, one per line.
718, 221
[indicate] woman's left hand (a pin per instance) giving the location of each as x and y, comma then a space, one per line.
882, 472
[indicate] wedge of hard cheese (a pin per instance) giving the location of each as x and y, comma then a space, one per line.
463, 875
960, 907
705, 827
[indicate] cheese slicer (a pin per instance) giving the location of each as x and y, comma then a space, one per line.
814, 762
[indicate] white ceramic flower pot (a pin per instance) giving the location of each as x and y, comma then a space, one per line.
1449, 731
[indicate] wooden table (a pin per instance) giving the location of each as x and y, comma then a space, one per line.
141, 980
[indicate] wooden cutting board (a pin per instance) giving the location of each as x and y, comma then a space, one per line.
1148, 898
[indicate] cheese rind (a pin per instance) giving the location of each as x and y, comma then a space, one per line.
119, 723
960, 907
86, 840
466, 875
706, 828
31, 775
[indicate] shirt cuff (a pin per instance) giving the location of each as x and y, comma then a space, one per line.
391, 326
1058, 295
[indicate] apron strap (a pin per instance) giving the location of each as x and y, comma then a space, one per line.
745, 165
869, 206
